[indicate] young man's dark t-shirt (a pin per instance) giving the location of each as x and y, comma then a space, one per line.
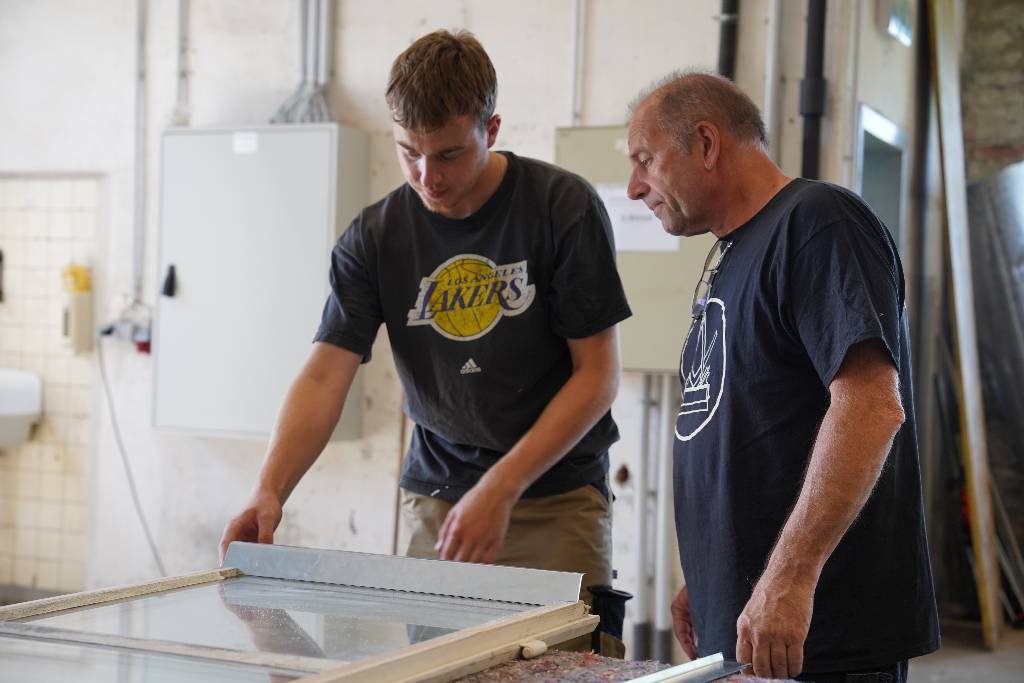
811, 274
478, 312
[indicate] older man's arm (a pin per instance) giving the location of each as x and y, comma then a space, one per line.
853, 442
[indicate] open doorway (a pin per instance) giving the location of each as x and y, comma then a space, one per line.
881, 170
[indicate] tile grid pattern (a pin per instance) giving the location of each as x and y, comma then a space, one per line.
45, 224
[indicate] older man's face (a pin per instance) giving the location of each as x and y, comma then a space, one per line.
668, 180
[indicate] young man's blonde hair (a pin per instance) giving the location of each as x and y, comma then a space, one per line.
440, 76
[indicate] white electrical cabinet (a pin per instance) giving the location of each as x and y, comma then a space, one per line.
659, 273
248, 218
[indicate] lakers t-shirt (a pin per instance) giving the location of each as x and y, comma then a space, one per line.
478, 312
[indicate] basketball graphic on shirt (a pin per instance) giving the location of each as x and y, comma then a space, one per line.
466, 321
466, 296
702, 368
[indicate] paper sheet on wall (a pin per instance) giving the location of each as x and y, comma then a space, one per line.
635, 227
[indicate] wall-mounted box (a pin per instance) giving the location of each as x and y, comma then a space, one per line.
248, 218
659, 277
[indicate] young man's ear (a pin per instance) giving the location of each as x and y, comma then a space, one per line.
493, 124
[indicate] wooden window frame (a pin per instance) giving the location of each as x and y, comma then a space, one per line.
444, 658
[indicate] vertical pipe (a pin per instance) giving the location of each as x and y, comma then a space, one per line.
139, 232
181, 115
812, 88
324, 16
664, 526
318, 101
311, 33
640, 647
727, 38
579, 27
772, 79
850, 173
303, 41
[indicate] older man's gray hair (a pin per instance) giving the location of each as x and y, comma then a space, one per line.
683, 98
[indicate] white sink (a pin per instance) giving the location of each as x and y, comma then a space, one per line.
21, 405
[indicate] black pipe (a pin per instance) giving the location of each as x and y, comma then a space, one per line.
812, 88
663, 645
729, 19
640, 648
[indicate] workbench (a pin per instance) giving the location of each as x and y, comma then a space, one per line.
577, 667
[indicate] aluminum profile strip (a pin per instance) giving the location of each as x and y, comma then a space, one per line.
711, 668
436, 577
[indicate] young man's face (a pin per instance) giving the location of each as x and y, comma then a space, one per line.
668, 180
445, 166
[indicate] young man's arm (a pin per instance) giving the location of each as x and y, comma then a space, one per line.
475, 528
853, 442
310, 412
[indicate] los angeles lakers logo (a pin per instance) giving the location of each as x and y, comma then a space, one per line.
466, 296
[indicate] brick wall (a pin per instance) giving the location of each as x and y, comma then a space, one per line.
993, 86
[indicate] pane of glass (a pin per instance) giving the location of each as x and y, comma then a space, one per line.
28, 660
287, 617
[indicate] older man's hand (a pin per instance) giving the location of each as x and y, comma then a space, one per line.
772, 628
682, 623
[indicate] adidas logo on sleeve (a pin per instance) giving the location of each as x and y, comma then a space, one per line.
470, 367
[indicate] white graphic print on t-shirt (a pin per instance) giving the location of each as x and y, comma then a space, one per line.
702, 371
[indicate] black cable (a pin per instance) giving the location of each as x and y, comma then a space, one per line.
124, 457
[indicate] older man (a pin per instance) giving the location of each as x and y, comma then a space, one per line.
797, 480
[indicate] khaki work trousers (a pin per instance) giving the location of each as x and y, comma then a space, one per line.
568, 532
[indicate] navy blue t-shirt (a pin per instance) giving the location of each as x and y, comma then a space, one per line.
478, 312
811, 274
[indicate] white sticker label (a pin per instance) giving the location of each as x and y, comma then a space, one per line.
635, 227
246, 142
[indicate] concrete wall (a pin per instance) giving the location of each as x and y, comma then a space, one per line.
66, 78
864, 66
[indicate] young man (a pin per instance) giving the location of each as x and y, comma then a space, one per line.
495, 276
799, 337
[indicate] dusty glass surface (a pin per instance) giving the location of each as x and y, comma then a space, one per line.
286, 617
38, 662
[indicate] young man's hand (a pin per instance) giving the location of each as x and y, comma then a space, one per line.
475, 527
682, 623
255, 524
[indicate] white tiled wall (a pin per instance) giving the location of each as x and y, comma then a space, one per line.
45, 224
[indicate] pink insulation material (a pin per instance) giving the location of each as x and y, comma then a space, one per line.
576, 667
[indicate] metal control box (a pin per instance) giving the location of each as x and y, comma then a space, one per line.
248, 218
659, 277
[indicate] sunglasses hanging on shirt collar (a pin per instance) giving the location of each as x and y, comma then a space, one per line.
712, 264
